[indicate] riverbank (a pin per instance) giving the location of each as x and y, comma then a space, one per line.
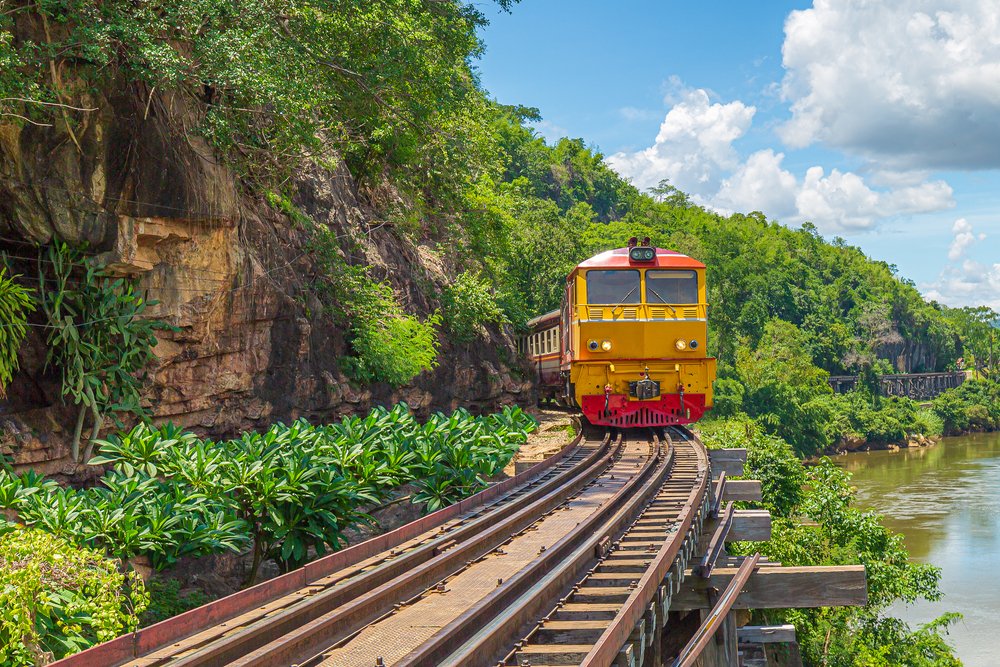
853, 445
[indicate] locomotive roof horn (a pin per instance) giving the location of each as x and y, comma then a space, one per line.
645, 241
632, 242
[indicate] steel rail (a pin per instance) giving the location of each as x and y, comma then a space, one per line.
482, 631
692, 651
335, 614
720, 491
617, 634
717, 544
419, 539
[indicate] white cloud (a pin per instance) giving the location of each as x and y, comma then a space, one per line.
908, 83
759, 184
964, 237
694, 151
693, 147
965, 282
834, 202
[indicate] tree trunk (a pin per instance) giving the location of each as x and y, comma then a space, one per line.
75, 451
258, 558
95, 429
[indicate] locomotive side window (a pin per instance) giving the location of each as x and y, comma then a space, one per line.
671, 287
613, 287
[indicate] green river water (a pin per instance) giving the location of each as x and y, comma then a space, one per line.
944, 499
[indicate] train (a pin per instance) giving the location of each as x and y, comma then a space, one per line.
628, 344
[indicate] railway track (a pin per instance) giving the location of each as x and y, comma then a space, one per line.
574, 565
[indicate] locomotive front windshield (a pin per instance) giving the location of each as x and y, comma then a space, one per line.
613, 287
671, 287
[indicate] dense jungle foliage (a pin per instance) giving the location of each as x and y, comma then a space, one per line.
388, 89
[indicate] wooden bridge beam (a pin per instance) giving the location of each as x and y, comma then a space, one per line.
729, 461
742, 490
780, 588
750, 526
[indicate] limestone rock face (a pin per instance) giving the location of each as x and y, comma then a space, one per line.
233, 277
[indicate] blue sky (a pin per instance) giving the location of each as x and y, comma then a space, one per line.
879, 122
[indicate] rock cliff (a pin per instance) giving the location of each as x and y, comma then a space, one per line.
152, 199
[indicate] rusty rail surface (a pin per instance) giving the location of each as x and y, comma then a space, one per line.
289, 637
478, 509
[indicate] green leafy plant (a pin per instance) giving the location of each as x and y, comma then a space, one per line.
389, 345
98, 339
15, 304
130, 516
469, 303
293, 489
57, 598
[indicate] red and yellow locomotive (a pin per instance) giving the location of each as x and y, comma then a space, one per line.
628, 344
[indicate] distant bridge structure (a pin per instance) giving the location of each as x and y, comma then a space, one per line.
918, 386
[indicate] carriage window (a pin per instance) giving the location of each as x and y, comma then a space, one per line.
613, 287
671, 287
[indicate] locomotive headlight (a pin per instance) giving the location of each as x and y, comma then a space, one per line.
592, 345
642, 254
681, 344
693, 344
606, 345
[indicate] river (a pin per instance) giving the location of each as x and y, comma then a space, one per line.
944, 500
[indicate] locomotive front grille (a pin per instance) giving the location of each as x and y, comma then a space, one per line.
646, 417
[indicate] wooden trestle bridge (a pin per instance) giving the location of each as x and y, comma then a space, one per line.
612, 552
918, 386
